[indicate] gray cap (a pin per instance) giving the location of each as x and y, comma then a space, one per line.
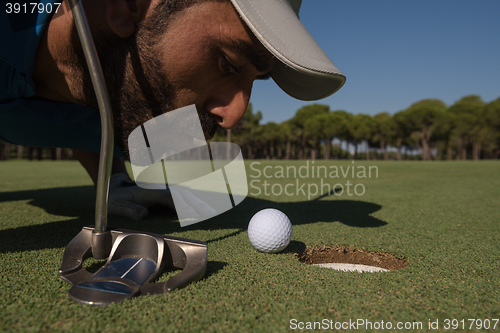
303, 69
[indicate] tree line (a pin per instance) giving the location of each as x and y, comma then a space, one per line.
426, 130
8, 151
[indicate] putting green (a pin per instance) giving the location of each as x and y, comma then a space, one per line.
440, 216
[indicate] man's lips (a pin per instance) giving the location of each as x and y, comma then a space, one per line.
218, 119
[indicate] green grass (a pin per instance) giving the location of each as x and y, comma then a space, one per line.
441, 216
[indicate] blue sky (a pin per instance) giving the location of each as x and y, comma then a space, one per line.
396, 52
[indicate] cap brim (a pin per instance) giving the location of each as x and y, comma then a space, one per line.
303, 69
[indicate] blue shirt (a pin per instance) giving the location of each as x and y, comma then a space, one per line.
30, 121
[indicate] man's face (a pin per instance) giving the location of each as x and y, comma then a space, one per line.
207, 57
211, 59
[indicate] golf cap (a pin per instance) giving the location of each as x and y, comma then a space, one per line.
303, 70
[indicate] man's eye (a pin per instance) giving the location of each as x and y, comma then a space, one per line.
227, 67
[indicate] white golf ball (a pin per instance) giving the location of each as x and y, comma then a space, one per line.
270, 231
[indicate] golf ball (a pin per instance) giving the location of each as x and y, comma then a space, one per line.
270, 231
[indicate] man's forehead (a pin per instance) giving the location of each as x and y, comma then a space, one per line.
250, 46
216, 25
233, 33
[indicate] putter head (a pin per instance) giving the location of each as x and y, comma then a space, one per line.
135, 260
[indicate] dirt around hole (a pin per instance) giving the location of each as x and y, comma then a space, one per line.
350, 255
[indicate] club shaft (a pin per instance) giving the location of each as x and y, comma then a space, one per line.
107, 136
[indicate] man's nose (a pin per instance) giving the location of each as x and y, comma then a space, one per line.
229, 105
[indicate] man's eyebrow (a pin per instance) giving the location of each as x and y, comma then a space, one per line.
246, 50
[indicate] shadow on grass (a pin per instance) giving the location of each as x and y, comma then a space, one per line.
295, 247
213, 267
78, 204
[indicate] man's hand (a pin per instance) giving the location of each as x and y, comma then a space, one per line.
129, 200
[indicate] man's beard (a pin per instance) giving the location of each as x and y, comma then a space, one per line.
138, 89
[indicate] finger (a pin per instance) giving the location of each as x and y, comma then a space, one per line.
127, 209
119, 180
154, 197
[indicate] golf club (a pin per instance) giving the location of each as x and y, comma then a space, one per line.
135, 259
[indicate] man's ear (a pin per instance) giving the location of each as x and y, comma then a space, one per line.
124, 15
